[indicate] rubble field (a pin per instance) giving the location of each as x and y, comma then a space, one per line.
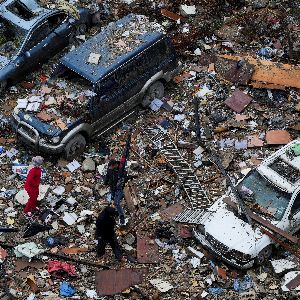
241, 71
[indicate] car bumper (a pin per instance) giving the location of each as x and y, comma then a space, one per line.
235, 263
30, 136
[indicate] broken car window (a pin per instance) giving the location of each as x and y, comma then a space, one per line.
10, 41
265, 195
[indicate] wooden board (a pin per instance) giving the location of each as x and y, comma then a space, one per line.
272, 73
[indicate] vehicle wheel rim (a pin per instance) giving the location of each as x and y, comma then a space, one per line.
75, 147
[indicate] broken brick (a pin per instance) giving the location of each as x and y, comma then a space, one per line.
238, 101
278, 137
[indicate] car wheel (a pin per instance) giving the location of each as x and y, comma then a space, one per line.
75, 146
81, 29
156, 90
3, 85
263, 255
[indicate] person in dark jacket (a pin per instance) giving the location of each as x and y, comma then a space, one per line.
116, 187
105, 232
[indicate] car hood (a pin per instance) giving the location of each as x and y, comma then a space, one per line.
41, 127
225, 227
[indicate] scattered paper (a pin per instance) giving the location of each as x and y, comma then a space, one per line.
72, 166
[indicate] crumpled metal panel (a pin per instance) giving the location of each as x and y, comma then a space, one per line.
147, 250
111, 282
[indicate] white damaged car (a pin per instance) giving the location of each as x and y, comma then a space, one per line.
271, 191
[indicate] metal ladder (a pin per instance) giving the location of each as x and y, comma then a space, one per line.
196, 194
190, 216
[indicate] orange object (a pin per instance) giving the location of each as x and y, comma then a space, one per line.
271, 75
170, 15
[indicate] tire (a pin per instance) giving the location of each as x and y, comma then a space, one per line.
263, 255
74, 147
81, 29
155, 90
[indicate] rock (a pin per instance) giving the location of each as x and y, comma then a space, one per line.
88, 164
130, 239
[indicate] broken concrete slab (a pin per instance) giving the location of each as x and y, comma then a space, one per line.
161, 285
238, 101
187, 10
88, 165
111, 282
282, 265
278, 137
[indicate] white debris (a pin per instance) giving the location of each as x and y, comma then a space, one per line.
187, 10
282, 265
195, 262
28, 249
43, 190
72, 166
94, 58
70, 218
196, 252
59, 190
22, 197
197, 52
161, 285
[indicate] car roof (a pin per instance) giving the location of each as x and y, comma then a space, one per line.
38, 12
103, 43
290, 163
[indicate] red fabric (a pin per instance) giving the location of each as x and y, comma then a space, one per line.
31, 186
56, 265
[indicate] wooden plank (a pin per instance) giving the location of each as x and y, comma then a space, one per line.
268, 72
294, 283
264, 222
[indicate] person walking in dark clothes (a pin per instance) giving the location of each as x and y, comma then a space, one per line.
105, 232
112, 179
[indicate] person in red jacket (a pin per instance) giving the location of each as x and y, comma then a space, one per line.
32, 183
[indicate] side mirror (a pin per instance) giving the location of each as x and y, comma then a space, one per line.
27, 54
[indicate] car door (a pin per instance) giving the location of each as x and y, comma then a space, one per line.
34, 51
294, 216
41, 43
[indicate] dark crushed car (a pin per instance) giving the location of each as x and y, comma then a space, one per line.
31, 34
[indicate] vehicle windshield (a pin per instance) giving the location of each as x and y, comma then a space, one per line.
10, 41
262, 196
